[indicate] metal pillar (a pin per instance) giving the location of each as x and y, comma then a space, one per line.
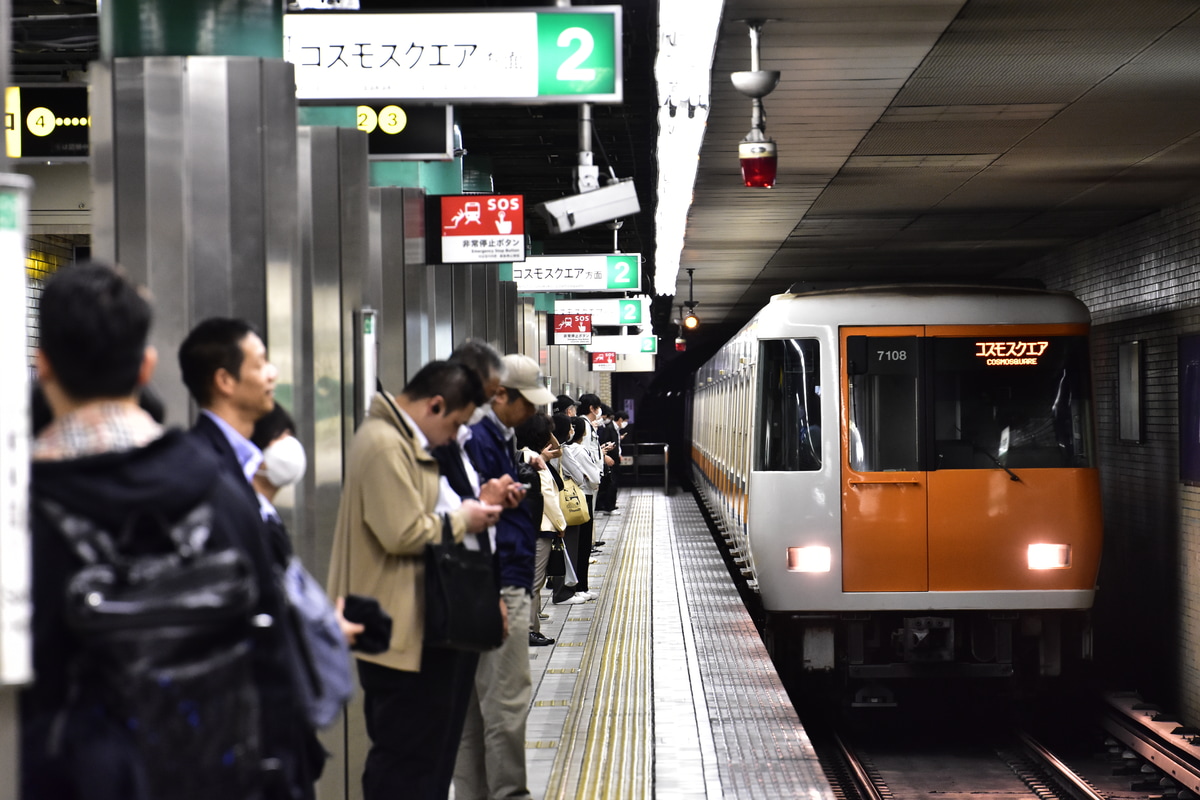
316, 306
194, 175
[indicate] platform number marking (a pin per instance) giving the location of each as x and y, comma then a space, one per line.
576, 54
631, 312
623, 272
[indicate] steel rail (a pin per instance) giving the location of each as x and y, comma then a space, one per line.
866, 786
1077, 786
1166, 757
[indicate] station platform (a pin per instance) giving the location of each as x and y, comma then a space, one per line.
661, 687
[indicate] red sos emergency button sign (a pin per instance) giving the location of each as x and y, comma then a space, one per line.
482, 229
604, 362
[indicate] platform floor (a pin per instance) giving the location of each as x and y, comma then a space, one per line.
661, 688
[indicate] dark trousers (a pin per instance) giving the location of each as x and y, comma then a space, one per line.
584, 552
415, 721
606, 495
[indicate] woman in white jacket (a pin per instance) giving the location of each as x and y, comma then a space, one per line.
584, 469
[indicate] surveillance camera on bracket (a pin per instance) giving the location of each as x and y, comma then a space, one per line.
576, 211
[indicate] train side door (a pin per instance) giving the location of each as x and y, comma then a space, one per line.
884, 487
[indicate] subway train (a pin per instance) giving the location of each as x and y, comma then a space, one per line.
907, 477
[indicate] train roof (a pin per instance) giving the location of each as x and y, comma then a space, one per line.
926, 304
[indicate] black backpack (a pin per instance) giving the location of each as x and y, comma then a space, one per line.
165, 620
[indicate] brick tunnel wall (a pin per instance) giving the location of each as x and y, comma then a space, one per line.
1142, 283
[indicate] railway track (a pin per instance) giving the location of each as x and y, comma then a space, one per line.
1136, 751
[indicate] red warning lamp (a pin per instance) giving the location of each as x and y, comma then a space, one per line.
759, 160
757, 153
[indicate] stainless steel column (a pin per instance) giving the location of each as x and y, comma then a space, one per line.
329, 286
194, 177
407, 284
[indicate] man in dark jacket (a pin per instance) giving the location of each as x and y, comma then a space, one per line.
225, 368
107, 460
491, 757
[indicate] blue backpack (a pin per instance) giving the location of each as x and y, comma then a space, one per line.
325, 682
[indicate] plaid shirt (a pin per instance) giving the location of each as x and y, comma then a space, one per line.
104, 427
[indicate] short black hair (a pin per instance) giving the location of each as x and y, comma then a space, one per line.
458, 384
621, 415
562, 428
589, 401
534, 433
605, 410
216, 343
93, 326
579, 427
479, 356
271, 426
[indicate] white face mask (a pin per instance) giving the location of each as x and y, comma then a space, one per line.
284, 462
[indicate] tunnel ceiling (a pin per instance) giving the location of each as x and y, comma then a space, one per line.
939, 140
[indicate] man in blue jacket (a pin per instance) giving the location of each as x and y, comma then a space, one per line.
491, 757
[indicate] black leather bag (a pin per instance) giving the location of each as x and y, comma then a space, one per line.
462, 605
557, 565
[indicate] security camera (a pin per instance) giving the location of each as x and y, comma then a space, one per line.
576, 211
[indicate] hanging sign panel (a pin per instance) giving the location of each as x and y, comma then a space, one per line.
407, 133
560, 55
616, 273
624, 345
47, 122
476, 229
572, 329
624, 311
604, 362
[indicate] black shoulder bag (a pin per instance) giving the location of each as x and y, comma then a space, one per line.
462, 603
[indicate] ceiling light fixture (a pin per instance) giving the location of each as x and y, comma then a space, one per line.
690, 320
757, 154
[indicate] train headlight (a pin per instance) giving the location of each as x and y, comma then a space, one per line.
1049, 556
814, 558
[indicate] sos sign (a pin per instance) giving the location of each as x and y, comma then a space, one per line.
477, 229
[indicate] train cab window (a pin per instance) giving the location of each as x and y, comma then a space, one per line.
1016, 402
885, 422
789, 395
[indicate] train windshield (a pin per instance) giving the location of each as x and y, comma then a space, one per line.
1019, 402
789, 387
933, 403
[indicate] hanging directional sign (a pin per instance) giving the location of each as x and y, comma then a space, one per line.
624, 345
476, 229
558, 55
616, 273
624, 311
572, 328
604, 362
47, 122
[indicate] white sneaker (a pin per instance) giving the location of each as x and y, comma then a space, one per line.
587, 596
592, 594
572, 600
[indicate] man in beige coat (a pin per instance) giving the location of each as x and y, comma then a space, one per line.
385, 520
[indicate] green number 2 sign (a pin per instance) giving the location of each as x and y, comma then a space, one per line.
624, 273
576, 54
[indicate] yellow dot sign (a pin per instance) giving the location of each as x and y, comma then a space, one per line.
392, 119
389, 119
40, 121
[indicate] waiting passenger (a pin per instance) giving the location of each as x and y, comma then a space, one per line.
386, 519
533, 437
106, 460
491, 757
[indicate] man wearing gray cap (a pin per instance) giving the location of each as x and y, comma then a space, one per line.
491, 756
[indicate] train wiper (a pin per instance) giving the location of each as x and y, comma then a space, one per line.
1012, 475
975, 446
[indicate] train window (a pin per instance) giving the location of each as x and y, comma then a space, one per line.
884, 374
1017, 402
789, 399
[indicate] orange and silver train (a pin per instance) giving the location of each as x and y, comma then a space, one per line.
907, 477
